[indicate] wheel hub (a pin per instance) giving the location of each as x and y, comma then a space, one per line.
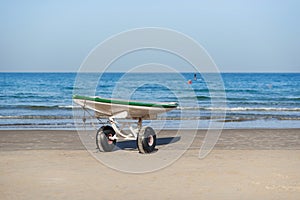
150, 140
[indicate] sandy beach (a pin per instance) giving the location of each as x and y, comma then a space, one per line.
245, 164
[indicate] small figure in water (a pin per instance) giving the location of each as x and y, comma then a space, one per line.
195, 77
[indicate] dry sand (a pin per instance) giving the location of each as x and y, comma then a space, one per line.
245, 164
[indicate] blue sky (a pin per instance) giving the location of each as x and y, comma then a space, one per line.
241, 36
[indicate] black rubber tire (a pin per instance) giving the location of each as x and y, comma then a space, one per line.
146, 140
102, 141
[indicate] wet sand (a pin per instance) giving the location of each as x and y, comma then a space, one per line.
244, 164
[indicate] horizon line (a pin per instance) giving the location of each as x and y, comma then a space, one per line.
258, 72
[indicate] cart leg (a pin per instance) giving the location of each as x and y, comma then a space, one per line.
119, 132
140, 123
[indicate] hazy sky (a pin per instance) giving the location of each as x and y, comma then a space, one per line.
241, 36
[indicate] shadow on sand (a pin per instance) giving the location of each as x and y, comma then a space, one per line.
131, 144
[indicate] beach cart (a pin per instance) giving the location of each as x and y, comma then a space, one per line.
113, 109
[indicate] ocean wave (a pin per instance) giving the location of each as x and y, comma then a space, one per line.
247, 96
240, 109
22, 95
35, 117
40, 107
38, 125
234, 118
206, 90
65, 122
69, 107
200, 97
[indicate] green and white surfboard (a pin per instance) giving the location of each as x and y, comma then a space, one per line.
134, 109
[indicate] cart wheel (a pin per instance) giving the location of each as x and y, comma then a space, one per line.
103, 142
146, 140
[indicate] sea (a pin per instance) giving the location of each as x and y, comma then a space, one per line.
232, 101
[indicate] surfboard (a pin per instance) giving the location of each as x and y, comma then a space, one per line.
134, 109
